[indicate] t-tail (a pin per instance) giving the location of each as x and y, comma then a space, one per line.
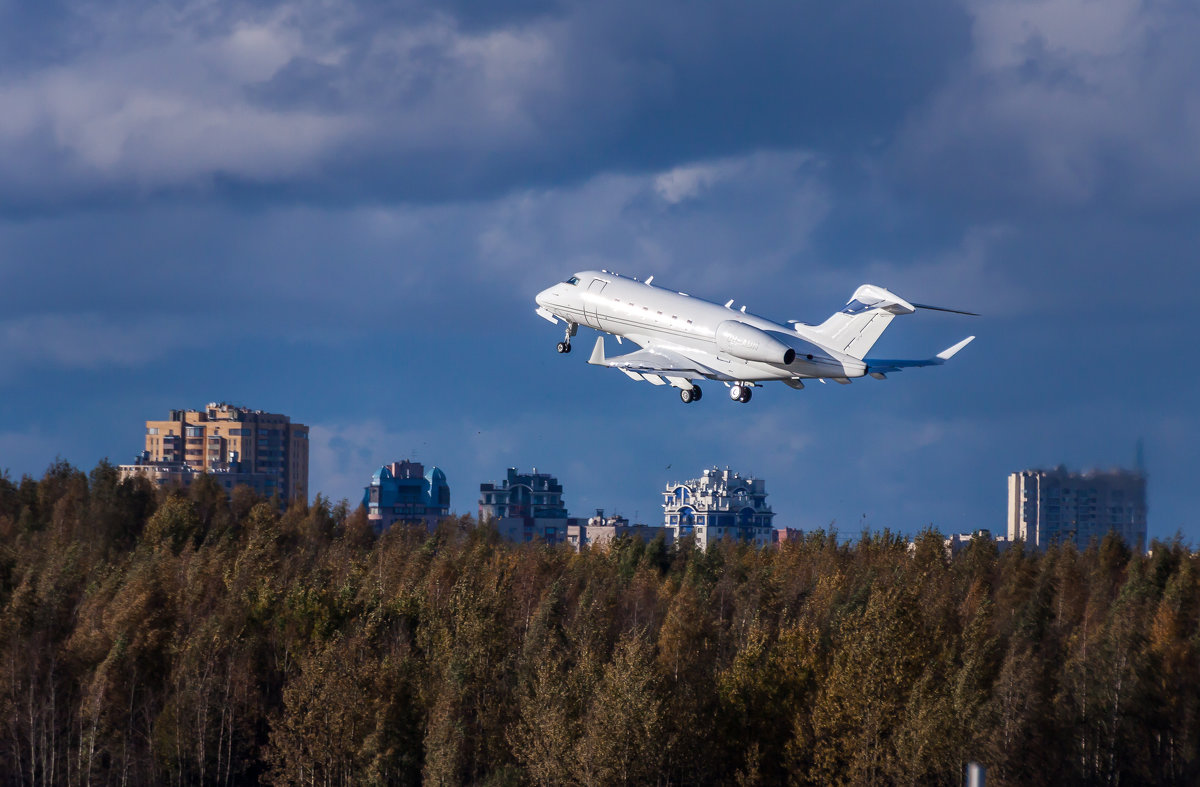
855, 329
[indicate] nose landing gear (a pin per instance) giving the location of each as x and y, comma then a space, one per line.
565, 345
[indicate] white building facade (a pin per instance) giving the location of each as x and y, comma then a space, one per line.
720, 504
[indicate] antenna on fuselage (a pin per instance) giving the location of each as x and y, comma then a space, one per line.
649, 279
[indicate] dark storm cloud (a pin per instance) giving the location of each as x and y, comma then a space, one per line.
342, 210
371, 101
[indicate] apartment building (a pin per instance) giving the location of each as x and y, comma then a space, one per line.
1047, 506
265, 451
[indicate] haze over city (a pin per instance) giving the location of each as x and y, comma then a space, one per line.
343, 214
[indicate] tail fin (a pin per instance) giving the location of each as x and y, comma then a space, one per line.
855, 329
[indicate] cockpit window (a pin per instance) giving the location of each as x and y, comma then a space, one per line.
573, 280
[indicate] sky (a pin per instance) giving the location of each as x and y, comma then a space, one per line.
341, 211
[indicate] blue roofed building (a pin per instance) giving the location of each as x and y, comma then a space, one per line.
404, 492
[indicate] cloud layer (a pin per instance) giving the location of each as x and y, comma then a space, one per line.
342, 210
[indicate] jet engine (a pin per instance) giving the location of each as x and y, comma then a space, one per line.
751, 344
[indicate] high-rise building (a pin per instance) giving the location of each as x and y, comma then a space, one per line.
527, 507
404, 492
719, 504
535, 494
1047, 506
265, 451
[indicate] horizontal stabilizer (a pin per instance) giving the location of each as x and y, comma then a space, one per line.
880, 366
950, 352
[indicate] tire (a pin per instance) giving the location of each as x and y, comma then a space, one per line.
735, 393
687, 396
696, 393
746, 394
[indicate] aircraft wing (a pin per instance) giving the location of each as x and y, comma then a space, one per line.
652, 364
878, 366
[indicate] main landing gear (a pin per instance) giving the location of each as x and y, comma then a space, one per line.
689, 395
741, 392
565, 345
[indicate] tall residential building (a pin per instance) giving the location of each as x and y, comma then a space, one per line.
719, 504
265, 451
527, 507
404, 492
533, 494
1045, 506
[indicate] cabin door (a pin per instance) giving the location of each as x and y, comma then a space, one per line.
590, 315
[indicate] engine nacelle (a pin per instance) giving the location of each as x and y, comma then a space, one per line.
751, 344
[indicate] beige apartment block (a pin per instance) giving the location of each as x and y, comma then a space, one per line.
263, 450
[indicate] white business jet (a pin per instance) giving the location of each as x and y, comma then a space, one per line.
684, 339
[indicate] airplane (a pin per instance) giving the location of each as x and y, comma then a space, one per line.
684, 339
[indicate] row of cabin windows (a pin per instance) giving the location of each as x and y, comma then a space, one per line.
647, 308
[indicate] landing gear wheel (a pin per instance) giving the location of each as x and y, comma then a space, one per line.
687, 395
746, 394
696, 393
565, 345
735, 393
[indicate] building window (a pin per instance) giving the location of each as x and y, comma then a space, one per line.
152, 430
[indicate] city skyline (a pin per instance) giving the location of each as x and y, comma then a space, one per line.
344, 216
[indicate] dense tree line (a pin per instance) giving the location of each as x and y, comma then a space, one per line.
186, 638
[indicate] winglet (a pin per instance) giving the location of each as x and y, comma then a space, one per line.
950, 352
598, 353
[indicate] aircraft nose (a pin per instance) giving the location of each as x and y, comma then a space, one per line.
541, 298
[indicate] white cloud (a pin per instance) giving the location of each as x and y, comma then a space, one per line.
183, 103
1064, 100
88, 341
706, 223
684, 183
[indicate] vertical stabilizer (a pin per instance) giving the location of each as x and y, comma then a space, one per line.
855, 329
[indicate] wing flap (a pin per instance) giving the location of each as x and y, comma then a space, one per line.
650, 363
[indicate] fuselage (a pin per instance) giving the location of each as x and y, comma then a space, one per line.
654, 317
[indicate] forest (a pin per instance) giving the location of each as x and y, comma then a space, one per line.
185, 637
